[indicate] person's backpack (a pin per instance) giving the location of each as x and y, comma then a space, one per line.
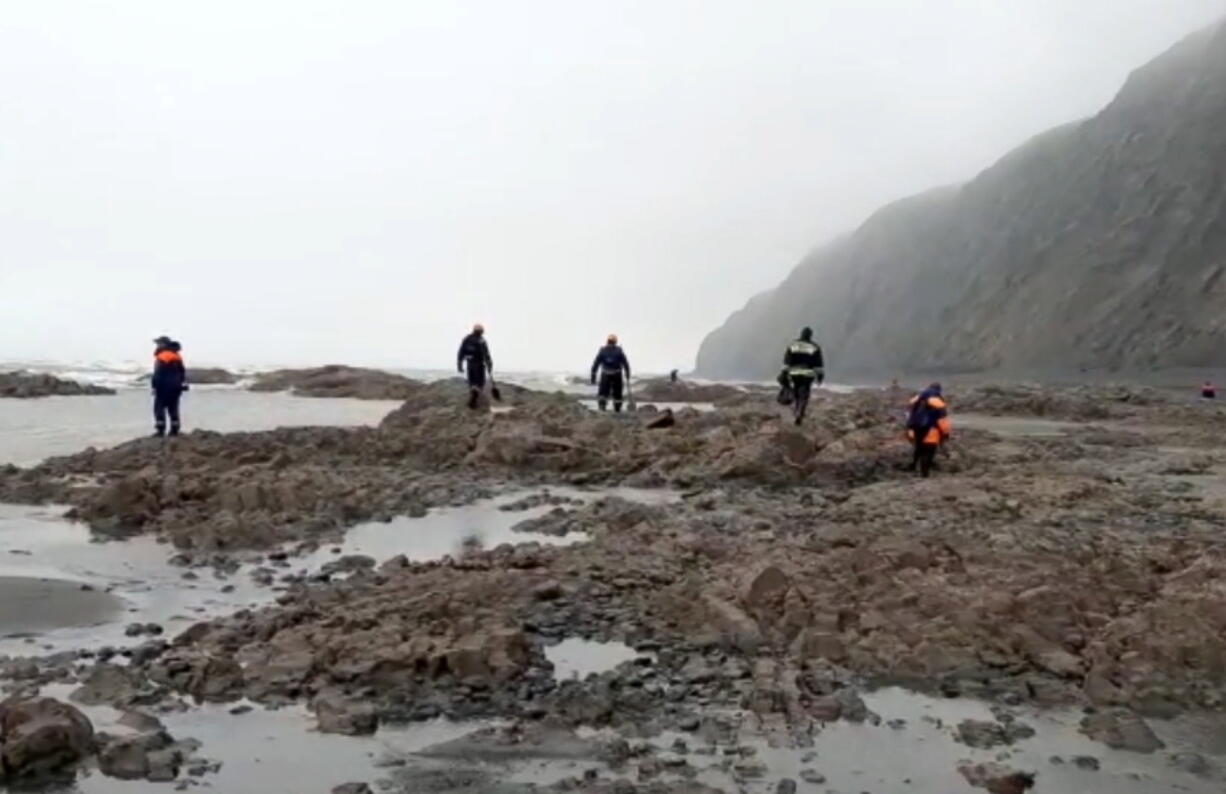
921, 417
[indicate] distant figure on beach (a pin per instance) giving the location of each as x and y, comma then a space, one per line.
169, 382
928, 427
1208, 390
614, 370
802, 364
672, 377
474, 359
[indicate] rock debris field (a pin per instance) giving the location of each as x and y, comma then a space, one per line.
794, 612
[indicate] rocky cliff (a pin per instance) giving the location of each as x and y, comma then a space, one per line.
1100, 244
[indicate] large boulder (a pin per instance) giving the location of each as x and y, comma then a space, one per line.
42, 736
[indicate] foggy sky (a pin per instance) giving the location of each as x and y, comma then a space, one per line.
304, 182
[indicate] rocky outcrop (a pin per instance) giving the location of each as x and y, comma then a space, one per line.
1098, 244
336, 380
25, 385
211, 376
204, 376
663, 390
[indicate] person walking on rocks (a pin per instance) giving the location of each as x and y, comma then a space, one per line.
928, 427
169, 382
474, 360
611, 364
802, 364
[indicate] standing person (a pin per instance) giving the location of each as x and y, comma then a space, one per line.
802, 364
1208, 390
474, 359
611, 362
673, 377
928, 427
169, 382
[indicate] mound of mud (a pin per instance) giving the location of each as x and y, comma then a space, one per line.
25, 385
336, 380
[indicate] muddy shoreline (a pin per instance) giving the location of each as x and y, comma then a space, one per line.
1067, 557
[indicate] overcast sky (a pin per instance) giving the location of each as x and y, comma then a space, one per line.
305, 182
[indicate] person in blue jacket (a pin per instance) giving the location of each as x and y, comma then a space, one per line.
614, 370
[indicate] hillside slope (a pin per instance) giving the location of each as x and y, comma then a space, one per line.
1098, 244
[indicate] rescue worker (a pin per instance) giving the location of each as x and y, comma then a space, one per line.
612, 364
802, 364
169, 382
1208, 390
928, 427
474, 360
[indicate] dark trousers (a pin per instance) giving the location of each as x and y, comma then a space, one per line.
166, 403
802, 386
611, 385
925, 456
476, 381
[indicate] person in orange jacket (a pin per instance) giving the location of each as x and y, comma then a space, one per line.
169, 382
928, 427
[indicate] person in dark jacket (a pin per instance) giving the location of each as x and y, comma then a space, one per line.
928, 427
1208, 390
802, 364
614, 370
169, 382
474, 360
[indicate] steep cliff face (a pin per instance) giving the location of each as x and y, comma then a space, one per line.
1097, 244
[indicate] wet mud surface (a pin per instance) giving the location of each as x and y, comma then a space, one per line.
730, 603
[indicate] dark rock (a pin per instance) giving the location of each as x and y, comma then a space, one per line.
352, 788
1086, 762
997, 779
1192, 763
42, 736
336, 714
1121, 729
547, 591
981, 734
812, 777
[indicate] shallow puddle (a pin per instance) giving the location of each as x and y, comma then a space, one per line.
134, 574
579, 658
449, 530
914, 749
1017, 426
270, 751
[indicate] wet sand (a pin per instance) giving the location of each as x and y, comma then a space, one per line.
29, 605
